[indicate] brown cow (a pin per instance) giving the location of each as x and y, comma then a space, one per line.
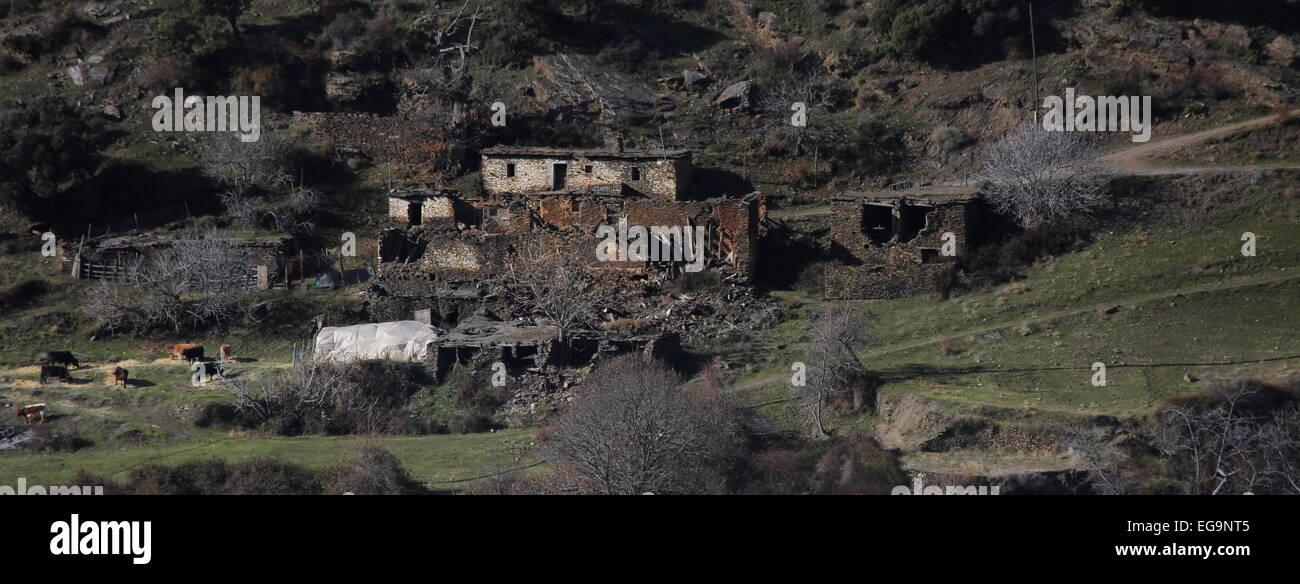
119, 376
225, 354
32, 411
179, 350
55, 371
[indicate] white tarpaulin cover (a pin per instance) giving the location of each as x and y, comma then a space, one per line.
403, 340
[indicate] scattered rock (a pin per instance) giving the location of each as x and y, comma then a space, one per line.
1189, 378
735, 96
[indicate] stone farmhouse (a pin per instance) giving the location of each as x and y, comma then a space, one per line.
442, 242
893, 243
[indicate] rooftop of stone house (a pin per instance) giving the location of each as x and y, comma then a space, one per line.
932, 194
479, 331
485, 330
136, 240
611, 153
421, 193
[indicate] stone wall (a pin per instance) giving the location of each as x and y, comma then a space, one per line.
434, 210
892, 245
663, 175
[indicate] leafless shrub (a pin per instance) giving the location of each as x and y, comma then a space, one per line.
857, 466
305, 386
835, 370
554, 283
775, 107
240, 165
360, 397
1040, 176
243, 210
1244, 440
947, 139
1109, 469
375, 471
195, 281
633, 429
444, 80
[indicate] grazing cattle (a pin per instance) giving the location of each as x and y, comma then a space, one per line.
119, 376
225, 354
32, 411
179, 350
55, 371
58, 358
193, 354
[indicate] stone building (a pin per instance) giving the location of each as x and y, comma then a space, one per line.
109, 257
893, 244
442, 241
416, 207
659, 174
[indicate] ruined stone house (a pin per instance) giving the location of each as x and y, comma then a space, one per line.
109, 257
442, 242
893, 243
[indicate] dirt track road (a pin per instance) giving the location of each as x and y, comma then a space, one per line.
1136, 160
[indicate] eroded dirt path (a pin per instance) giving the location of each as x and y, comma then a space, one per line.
1136, 160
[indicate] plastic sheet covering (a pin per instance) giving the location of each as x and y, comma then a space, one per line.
403, 340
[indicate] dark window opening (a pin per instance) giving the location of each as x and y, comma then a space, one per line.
573, 205
414, 212
911, 220
878, 223
929, 255
587, 169
510, 170
559, 173
636, 173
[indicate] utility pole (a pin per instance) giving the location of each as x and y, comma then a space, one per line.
1033, 44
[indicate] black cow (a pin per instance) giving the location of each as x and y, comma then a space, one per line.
211, 370
192, 354
55, 371
58, 358
120, 375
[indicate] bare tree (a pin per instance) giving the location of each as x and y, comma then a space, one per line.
835, 369
294, 213
305, 386
551, 281
445, 74
195, 280
776, 105
1236, 444
1040, 176
240, 165
633, 429
1106, 464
